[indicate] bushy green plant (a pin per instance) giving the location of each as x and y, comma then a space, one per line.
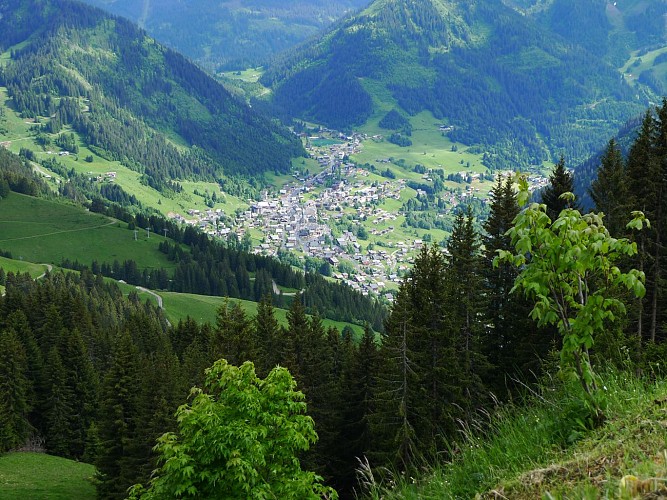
238, 438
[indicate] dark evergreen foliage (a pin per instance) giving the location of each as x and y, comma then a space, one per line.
560, 181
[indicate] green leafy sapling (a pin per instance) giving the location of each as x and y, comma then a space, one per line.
568, 268
239, 437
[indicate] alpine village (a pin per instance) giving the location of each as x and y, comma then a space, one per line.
352, 249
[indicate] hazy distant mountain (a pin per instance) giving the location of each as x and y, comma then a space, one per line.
500, 76
75, 67
231, 34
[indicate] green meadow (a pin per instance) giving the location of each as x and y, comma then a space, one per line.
34, 476
45, 231
202, 308
429, 147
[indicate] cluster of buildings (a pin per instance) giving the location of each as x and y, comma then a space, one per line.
305, 217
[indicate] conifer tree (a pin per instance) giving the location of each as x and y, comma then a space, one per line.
610, 190
641, 168
358, 382
119, 462
560, 181
14, 385
81, 380
58, 406
18, 322
268, 335
233, 336
394, 414
467, 310
512, 345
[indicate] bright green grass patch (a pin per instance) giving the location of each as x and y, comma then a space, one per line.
202, 308
37, 475
429, 147
38, 230
631, 70
17, 266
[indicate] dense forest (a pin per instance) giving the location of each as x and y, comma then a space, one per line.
127, 97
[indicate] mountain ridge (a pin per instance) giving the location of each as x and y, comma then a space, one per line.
496, 76
130, 97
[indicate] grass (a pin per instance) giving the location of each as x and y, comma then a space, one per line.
17, 266
38, 230
39, 476
540, 451
202, 308
429, 147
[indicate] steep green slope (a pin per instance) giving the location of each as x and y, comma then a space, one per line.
43, 231
494, 75
539, 450
130, 99
231, 34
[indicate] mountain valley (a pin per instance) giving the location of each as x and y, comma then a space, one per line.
332, 251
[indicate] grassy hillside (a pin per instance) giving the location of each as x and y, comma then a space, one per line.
43, 231
543, 451
203, 308
69, 67
39, 476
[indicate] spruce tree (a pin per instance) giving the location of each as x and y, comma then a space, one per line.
513, 345
58, 407
560, 181
267, 333
120, 460
467, 310
358, 387
81, 380
234, 337
610, 190
14, 387
394, 414
641, 169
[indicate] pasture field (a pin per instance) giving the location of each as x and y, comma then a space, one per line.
17, 266
202, 308
429, 148
41, 476
44, 231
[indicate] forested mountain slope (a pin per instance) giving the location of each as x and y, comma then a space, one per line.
497, 76
228, 34
130, 98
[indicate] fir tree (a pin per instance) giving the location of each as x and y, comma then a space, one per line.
267, 333
119, 461
560, 181
58, 407
641, 169
394, 414
512, 345
467, 310
610, 190
14, 386
233, 336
